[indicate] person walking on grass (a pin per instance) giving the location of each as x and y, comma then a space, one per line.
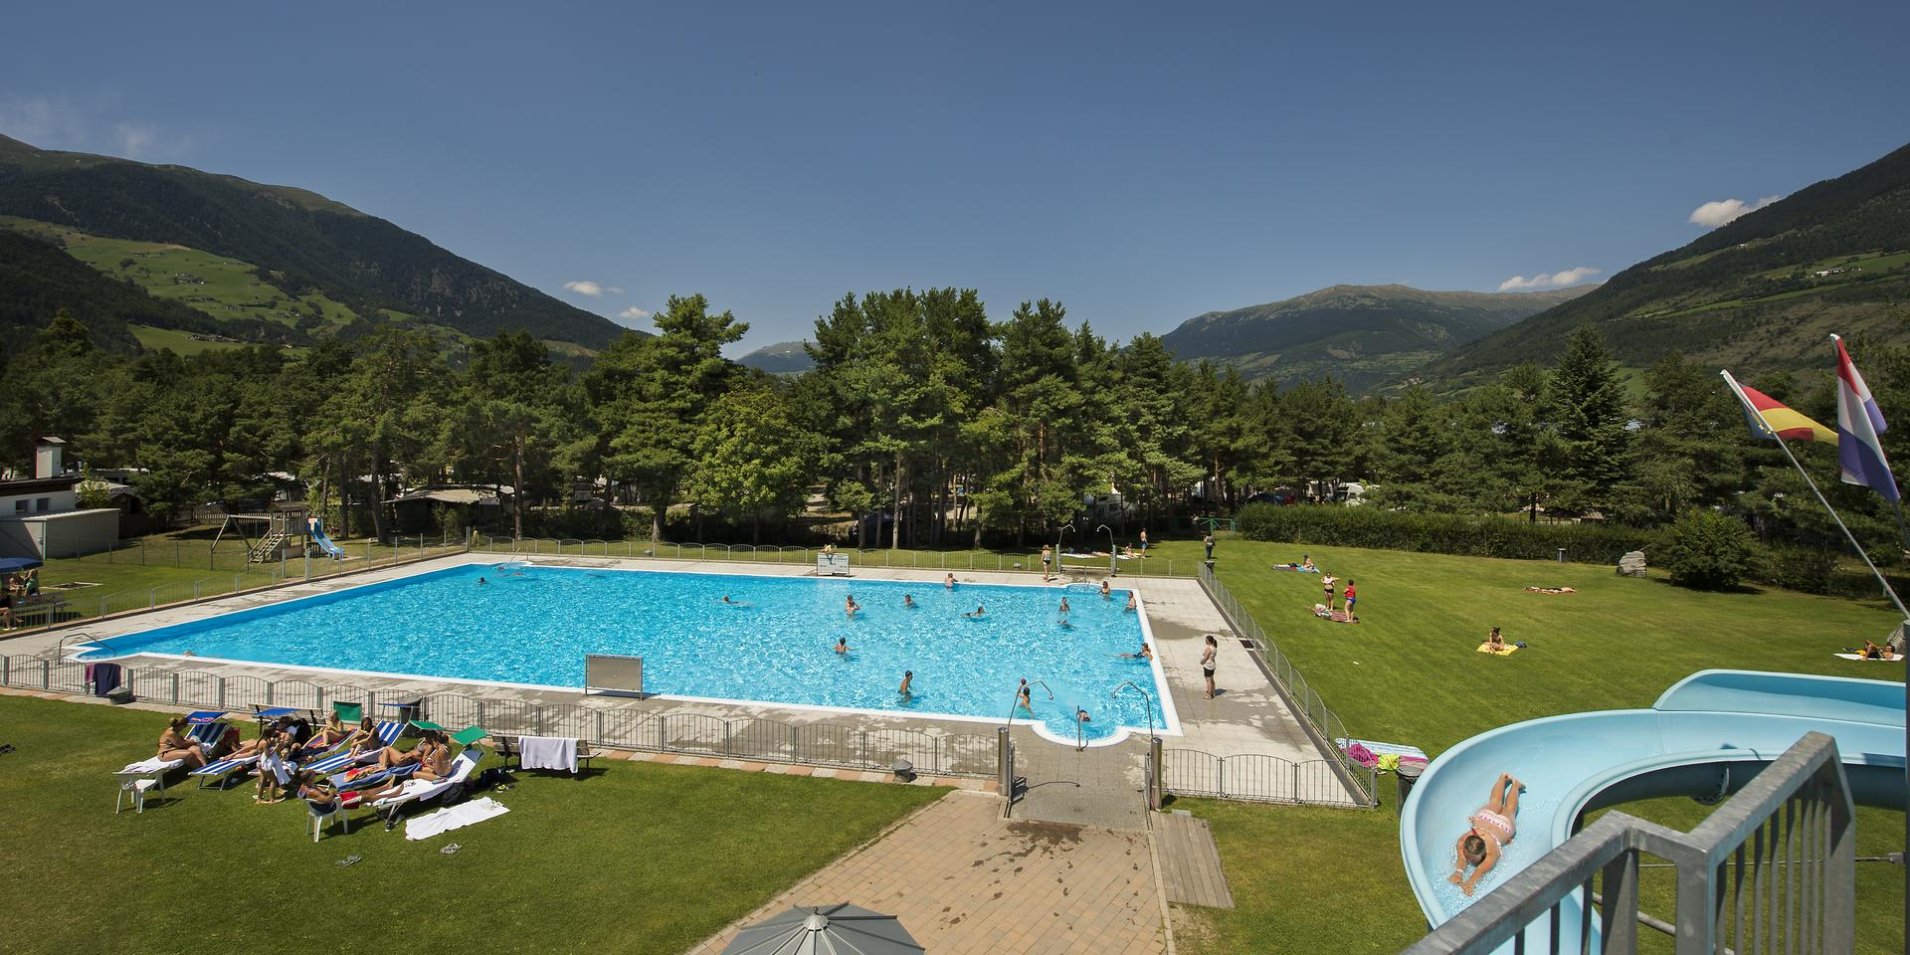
1208, 542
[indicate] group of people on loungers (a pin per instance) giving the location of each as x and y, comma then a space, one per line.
282, 748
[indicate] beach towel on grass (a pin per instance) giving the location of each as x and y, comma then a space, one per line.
453, 817
1337, 616
1859, 656
1505, 651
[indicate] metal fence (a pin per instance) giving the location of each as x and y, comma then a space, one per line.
606, 723
1299, 694
58, 605
1253, 777
885, 559
1773, 869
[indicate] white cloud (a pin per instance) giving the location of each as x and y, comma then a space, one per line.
1714, 214
135, 139
1519, 283
592, 289
87, 126
633, 314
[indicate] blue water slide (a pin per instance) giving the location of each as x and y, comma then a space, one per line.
317, 530
1706, 736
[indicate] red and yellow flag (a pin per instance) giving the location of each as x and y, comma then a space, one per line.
1771, 419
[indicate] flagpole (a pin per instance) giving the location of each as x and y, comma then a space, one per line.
1892, 594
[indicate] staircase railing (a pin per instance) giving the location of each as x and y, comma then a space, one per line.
1772, 868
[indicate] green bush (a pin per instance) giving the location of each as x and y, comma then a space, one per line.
1709, 551
1440, 533
1803, 569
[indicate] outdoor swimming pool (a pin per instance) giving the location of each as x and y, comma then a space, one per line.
775, 646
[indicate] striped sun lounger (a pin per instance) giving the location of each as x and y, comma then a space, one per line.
343, 784
339, 759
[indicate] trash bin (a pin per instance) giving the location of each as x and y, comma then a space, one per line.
1408, 774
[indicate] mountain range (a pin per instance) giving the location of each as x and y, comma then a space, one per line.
1363, 335
154, 256
264, 263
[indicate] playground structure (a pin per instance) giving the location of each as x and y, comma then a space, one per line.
286, 524
1711, 734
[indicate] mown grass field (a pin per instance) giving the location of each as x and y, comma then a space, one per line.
634, 858
1409, 672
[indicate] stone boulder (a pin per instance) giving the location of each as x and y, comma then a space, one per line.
1632, 564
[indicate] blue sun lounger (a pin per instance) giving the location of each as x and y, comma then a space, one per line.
341, 758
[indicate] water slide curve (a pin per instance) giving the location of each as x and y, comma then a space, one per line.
324, 542
1706, 736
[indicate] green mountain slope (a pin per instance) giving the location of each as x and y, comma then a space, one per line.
1757, 294
38, 279
298, 242
1361, 334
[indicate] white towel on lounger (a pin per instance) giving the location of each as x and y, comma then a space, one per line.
151, 764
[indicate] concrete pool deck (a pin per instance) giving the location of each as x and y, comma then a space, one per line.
1247, 717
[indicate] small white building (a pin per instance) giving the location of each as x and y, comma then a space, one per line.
40, 516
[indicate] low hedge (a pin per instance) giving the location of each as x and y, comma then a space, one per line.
1440, 533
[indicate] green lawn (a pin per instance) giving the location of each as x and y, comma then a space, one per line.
635, 858
1408, 673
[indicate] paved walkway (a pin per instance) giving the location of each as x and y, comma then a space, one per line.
965, 882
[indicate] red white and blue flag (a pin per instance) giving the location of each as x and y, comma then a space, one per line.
1859, 423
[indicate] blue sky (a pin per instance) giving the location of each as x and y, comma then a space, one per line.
1142, 163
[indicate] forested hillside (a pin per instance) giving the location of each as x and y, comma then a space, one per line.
1758, 294
1359, 334
297, 241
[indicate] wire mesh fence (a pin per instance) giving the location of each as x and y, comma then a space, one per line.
943, 560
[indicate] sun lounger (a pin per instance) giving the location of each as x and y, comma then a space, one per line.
425, 790
339, 758
1401, 750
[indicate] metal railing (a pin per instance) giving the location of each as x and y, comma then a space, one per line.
873, 558
58, 606
611, 724
1773, 869
1253, 777
1325, 725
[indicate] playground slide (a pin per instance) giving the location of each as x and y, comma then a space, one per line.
1706, 736
324, 542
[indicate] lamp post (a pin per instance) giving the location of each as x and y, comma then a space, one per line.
1057, 544
1114, 569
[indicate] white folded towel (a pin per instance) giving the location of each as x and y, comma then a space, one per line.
548, 752
151, 764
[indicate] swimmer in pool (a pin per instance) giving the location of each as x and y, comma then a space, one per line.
1492, 830
727, 600
1107, 593
849, 606
842, 645
949, 581
908, 676
979, 612
1064, 606
1082, 716
908, 601
482, 581
1021, 696
1133, 602
1144, 653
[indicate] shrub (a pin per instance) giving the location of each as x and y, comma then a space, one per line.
1440, 533
1709, 551
1803, 569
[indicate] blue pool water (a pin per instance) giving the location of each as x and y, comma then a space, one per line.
775, 648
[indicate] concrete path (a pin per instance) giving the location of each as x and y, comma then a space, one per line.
965, 882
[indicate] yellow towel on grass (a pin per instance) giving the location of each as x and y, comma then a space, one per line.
1504, 651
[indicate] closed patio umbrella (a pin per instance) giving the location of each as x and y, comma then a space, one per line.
841, 929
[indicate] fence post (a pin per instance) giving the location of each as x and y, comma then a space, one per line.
371, 702
537, 718
600, 725
1220, 776
46, 674
175, 688
222, 693
269, 684
6, 670
480, 712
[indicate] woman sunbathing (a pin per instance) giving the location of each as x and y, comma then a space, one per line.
173, 744
1878, 651
435, 764
1551, 590
1494, 641
331, 734
1492, 830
